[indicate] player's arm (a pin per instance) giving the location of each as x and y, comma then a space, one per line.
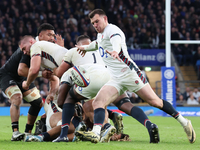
54, 86
33, 71
23, 70
93, 46
62, 68
116, 46
24, 65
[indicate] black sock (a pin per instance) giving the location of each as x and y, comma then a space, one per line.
67, 114
28, 127
76, 120
140, 116
169, 109
46, 136
15, 125
110, 114
99, 116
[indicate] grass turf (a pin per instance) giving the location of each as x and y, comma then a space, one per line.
172, 137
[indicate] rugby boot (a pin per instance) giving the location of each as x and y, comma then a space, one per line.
17, 136
88, 136
154, 135
107, 133
191, 135
118, 122
61, 139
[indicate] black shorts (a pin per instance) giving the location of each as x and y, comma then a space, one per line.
6, 80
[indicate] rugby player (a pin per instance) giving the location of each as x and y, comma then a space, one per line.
125, 75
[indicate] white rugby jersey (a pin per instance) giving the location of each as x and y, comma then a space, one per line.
91, 57
116, 67
51, 54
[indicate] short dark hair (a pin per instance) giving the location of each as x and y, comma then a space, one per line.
25, 38
96, 11
82, 37
44, 27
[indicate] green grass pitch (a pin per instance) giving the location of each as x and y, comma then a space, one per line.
172, 137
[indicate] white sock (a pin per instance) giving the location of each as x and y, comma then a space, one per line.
96, 129
182, 120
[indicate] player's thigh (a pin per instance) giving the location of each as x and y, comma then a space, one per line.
54, 119
105, 96
11, 89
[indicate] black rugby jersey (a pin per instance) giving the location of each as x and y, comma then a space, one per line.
11, 66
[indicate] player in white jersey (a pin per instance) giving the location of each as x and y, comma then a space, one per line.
44, 55
99, 75
125, 76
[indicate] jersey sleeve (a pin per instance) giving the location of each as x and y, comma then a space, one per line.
36, 50
69, 55
25, 59
115, 38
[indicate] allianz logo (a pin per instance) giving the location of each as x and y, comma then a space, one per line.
160, 57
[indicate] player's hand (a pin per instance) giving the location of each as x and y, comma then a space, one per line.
59, 40
81, 50
114, 54
25, 86
47, 74
49, 98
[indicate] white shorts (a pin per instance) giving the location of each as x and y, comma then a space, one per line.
49, 112
133, 81
99, 75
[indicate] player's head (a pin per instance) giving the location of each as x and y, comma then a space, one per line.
83, 40
98, 19
46, 32
25, 43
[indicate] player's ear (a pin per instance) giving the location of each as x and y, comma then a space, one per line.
105, 18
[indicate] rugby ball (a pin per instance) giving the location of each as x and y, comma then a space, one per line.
80, 76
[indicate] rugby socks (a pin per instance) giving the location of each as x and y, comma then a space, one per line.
67, 114
99, 116
46, 136
140, 116
76, 120
169, 109
28, 128
15, 125
110, 114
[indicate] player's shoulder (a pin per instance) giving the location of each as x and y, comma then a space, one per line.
111, 29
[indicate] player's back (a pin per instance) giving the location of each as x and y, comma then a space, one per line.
11, 65
51, 54
73, 57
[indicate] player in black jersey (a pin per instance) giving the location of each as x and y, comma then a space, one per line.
13, 73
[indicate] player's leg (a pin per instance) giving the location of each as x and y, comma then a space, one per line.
124, 104
33, 97
67, 113
117, 120
147, 94
105, 96
14, 94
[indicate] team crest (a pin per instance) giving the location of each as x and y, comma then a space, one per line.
137, 82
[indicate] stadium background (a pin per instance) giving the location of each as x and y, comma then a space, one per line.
142, 21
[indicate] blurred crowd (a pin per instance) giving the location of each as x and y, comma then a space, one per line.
142, 21
191, 96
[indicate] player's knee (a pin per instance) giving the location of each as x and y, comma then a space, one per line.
16, 99
121, 102
35, 107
